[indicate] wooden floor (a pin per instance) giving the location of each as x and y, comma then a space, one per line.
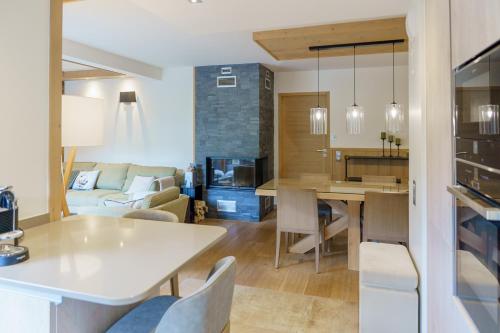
253, 245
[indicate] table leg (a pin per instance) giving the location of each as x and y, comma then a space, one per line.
354, 234
174, 285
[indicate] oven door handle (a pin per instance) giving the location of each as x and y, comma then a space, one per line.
486, 210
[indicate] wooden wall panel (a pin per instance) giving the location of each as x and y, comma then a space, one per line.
55, 101
396, 168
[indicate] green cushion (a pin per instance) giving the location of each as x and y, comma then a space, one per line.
139, 170
82, 166
112, 176
87, 198
161, 198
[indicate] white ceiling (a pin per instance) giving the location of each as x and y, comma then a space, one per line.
170, 33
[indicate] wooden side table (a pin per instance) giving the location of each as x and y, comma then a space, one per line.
194, 193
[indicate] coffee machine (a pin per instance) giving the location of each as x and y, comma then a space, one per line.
10, 254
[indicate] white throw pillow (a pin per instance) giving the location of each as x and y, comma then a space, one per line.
86, 180
140, 184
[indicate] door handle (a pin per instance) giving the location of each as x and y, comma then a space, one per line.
321, 150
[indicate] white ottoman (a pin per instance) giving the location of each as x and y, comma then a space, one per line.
388, 298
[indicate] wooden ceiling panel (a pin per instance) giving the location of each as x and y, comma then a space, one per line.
290, 44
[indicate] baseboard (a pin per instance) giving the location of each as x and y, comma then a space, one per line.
34, 221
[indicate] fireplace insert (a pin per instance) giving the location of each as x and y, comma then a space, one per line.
236, 172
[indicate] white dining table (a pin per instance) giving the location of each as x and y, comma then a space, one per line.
85, 272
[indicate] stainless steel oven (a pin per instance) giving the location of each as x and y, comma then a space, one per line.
477, 124
477, 188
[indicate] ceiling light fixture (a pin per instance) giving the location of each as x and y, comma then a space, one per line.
318, 116
195, 1
394, 115
355, 114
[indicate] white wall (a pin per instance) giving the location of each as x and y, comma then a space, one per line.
158, 130
24, 92
373, 92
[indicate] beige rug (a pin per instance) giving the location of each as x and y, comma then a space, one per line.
268, 311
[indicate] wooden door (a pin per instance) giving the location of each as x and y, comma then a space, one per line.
299, 150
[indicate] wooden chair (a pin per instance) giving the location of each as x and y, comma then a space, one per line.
374, 179
386, 217
298, 213
206, 310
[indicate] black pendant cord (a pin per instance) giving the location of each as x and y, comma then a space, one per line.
354, 72
393, 89
318, 78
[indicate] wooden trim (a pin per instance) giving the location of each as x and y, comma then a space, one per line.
55, 101
91, 74
34, 221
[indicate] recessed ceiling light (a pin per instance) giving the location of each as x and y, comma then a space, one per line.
195, 1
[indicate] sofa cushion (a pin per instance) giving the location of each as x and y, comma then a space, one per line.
386, 266
112, 175
87, 198
82, 166
138, 170
160, 198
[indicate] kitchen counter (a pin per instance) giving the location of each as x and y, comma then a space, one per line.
103, 260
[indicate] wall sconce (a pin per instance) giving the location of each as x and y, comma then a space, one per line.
127, 97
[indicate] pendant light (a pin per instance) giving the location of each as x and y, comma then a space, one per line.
489, 114
355, 114
394, 115
318, 116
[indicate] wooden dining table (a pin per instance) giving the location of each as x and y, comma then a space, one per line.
335, 193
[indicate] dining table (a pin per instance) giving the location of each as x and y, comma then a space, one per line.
85, 272
345, 198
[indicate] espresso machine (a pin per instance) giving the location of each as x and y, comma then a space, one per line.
10, 234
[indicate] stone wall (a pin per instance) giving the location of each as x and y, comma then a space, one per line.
234, 122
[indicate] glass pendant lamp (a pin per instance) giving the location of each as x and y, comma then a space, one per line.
318, 116
355, 114
394, 115
489, 115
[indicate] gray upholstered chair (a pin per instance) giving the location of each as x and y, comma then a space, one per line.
152, 214
205, 311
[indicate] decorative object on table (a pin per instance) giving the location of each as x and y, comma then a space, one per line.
391, 140
318, 116
200, 209
128, 97
195, 194
10, 254
398, 143
394, 115
355, 114
82, 125
383, 136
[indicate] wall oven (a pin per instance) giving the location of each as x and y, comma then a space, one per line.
477, 188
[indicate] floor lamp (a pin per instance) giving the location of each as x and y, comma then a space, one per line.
82, 125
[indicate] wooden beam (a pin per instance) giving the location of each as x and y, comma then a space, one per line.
55, 101
289, 44
90, 74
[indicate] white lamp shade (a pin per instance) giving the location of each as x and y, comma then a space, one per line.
355, 117
82, 121
394, 118
318, 119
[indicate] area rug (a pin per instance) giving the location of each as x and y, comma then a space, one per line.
257, 310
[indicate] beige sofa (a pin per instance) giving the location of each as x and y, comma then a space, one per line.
115, 179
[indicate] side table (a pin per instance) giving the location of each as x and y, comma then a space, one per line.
194, 193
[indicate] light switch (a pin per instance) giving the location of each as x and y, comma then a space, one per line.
338, 155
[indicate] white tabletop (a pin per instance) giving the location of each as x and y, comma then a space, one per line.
106, 260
